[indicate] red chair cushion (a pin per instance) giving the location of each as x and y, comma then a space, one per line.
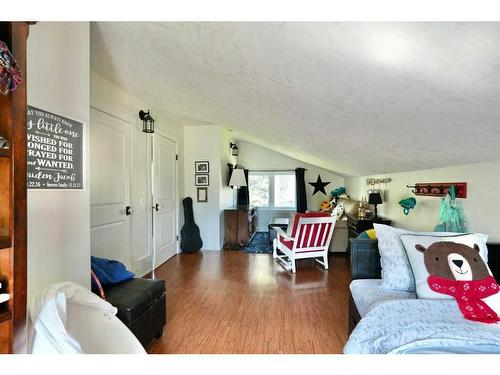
307, 214
287, 243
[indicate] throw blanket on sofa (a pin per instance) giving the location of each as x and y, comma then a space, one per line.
421, 326
110, 272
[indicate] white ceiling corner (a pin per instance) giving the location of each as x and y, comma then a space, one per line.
354, 98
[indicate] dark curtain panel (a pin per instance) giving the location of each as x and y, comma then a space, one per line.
231, 167
301, 196
243, 193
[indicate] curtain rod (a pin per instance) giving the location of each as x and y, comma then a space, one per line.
273, 170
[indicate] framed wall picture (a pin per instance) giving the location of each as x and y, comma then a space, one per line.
202, 194
63, 167
201, 180
201, 167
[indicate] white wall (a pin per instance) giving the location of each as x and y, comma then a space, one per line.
58, 221
109, 97
226, 193
205, 143
252, 156
482, 205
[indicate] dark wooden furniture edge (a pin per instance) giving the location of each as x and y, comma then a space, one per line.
4, 152
19, 153
15, 35
5, 242
365, 264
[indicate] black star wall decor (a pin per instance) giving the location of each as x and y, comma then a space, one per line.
319, 185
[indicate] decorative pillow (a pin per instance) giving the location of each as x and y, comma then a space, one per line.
369, 234
396, 270
434, 253
109, 272
338, 211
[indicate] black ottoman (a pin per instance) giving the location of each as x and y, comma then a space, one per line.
141, 306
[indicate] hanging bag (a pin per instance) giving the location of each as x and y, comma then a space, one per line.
451, 214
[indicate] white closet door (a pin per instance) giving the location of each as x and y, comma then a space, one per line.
164, 198
109, 187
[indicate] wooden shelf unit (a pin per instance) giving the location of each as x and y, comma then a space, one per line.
13, 198
5, 242
5, 316
4, 152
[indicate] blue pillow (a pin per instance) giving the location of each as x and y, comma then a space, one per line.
109, 271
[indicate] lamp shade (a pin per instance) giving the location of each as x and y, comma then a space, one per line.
374, 198
237, 178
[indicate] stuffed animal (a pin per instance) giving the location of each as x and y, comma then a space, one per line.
459, 271
325, 206
338, 192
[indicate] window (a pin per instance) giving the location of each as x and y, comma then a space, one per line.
272, 189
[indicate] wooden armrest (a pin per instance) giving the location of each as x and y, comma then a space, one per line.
280, 232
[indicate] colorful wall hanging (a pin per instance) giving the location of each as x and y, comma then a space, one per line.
10, 76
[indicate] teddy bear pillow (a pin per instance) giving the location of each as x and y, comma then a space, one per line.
455, 267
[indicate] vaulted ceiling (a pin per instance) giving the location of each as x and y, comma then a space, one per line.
354, 98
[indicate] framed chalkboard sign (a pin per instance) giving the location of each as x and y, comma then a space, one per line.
54, 151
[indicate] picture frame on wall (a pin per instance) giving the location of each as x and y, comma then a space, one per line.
202, 194
201, 167
201, 179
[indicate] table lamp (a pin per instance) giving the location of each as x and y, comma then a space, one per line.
375, 198
236, 181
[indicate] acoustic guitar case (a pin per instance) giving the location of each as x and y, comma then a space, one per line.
191, 240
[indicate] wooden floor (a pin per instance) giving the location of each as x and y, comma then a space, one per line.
234, 302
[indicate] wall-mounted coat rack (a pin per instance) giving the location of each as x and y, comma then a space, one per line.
439, 189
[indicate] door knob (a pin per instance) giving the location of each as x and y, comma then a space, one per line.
129, 210
156, 207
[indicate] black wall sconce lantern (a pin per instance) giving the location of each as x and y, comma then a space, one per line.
148, 123
234, 149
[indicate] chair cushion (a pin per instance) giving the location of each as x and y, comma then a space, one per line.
307, 214
133, 297
287, 243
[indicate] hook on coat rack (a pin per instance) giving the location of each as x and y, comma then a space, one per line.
439, 189
413, 188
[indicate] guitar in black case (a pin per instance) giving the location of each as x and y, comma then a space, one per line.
191, 240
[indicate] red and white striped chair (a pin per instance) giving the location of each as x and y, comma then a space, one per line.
310, 238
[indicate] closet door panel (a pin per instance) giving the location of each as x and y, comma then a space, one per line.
109, 187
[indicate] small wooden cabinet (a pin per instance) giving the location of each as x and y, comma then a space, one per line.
355, 225
240, 224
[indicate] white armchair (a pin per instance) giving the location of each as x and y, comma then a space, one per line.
310, 238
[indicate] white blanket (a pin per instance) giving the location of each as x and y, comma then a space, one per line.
421, 326
48, 313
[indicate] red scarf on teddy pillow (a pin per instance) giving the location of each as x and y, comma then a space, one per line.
469, 296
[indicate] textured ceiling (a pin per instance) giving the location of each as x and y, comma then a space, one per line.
354, 98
